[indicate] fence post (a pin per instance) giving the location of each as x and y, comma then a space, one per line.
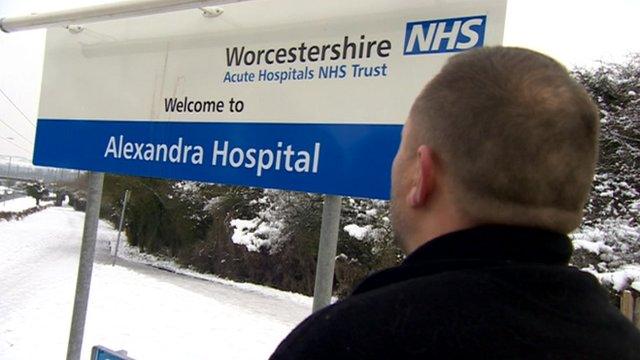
127, 193
626, 304
636, 312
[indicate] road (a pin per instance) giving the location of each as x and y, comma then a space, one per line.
152, 313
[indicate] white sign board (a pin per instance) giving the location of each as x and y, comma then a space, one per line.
289, 94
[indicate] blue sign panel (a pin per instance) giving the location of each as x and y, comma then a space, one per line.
444, 35
340, 159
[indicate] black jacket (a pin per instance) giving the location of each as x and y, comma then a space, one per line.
492, 292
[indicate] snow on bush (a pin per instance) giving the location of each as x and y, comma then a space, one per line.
608, 244
595, 247
194, 196
358, 232
626, 277
615, 246
368, 222
255, 234
264, 232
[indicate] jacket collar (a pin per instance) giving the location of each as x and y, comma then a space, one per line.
482, 246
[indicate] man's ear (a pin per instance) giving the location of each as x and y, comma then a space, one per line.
424, 180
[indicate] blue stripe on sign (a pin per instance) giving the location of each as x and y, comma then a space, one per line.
339, 159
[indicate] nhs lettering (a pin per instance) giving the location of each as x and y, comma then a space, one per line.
444, 35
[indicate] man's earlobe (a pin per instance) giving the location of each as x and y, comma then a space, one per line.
425, 178
413, 198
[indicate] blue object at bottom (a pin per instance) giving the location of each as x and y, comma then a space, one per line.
338, 159
102, 353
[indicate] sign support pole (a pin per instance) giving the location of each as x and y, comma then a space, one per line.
327, 251
87, 252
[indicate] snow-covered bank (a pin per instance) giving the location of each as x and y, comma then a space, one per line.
133, 254
18, 205
152, 314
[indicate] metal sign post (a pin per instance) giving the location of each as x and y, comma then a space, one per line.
327, 251
87, 252
127, 193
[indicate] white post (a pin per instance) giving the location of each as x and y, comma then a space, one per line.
85, 268
127, 193
323, 287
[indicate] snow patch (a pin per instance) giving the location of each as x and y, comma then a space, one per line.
253, 234
20, 204
622, 278
592, 247
615, 241
358, 232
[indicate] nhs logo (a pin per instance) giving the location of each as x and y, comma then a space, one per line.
444, 35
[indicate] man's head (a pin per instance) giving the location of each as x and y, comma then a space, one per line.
499, 136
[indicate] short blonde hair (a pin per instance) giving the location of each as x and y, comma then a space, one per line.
518, 137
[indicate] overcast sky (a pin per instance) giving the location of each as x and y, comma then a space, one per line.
576, 32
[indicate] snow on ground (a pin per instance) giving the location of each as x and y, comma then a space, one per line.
20, 204
151, 313
133, 254
17, 205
